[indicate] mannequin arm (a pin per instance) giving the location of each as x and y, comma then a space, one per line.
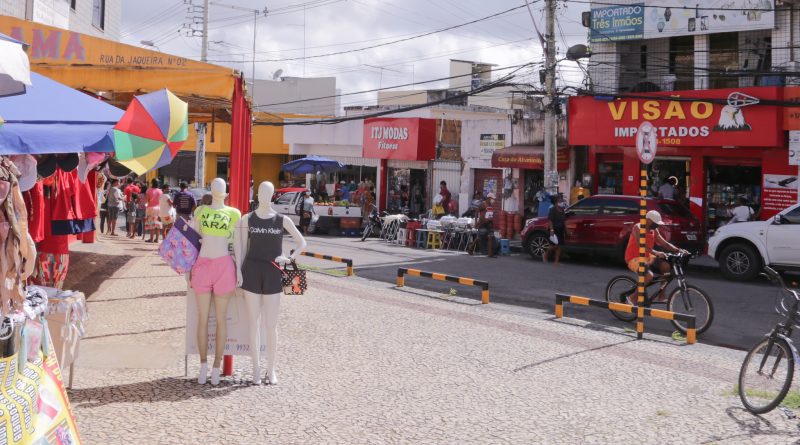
240, 245
296, 236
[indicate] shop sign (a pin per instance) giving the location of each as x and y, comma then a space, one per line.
489, 143
653, 19
710, 118
791, 115
528, 158
779, 192
411, 139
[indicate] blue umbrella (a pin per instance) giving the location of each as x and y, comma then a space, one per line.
312, 164
54, 118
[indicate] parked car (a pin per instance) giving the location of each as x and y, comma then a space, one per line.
743, 249
602, 224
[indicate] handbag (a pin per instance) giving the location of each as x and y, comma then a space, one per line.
181, 247
554, 239
293, 280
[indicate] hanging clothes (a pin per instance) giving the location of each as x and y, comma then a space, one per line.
34, 203
72, 204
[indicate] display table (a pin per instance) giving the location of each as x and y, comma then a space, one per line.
66, 319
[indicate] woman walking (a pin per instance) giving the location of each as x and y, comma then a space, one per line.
166, 212
151, 224
557, 222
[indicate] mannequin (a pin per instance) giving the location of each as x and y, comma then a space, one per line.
214, 273
259, 273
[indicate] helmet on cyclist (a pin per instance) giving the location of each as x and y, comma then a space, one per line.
654, 217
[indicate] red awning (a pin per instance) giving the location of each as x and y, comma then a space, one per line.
527, 157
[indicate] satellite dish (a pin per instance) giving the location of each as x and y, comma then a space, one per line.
277, 74
577, 52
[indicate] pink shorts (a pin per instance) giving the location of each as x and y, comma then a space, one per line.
217, 275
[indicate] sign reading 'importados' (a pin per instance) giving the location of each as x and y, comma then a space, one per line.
411, 139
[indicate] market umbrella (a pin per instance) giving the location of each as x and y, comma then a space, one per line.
152, 130
54, 118
15, 68
312, 164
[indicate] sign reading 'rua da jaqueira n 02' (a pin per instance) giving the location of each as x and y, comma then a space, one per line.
712, 118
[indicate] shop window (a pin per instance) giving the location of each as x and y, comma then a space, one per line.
610, 178
73, 4
587, 207
99, 13
723, 57
728, 182
681, 61
620, 207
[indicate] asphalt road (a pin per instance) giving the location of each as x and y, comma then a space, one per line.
744, 312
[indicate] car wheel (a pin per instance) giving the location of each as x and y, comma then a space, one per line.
739, 262
537, 245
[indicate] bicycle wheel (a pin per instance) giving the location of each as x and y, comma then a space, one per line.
766, 375
701, 308
617, 291
367, 231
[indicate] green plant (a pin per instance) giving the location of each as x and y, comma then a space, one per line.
792, 400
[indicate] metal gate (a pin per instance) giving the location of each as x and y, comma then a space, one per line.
448, 171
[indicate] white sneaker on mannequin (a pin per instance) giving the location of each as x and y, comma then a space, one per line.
271, 377
215, 376
203, 375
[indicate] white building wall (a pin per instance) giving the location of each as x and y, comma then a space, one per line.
81, 19
13, 8
313, 96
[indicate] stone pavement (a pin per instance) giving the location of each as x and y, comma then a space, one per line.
363, 362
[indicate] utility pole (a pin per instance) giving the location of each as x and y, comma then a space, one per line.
204, 48
256, 13
550, 123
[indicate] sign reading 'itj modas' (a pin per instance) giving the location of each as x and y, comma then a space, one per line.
411, 139
712, 118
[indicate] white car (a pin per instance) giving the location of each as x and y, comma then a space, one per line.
743, 249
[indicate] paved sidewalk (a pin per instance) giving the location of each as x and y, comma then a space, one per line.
362, 362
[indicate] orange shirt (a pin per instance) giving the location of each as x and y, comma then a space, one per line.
632, 251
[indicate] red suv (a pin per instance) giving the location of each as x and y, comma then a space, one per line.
602, 224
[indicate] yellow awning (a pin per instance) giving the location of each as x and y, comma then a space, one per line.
118, 71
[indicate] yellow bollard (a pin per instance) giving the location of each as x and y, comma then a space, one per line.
485, 296
559, 310
691, 336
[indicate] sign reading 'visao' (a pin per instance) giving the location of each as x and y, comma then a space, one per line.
734, 118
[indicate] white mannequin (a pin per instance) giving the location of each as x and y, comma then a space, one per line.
263, 309
212, 247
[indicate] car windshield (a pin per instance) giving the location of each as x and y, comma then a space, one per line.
674, 209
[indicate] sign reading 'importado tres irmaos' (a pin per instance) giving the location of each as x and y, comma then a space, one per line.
710, 118
653, 19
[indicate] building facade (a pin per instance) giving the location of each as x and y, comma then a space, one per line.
712, 82
99, 18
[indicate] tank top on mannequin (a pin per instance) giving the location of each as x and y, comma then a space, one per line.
260, 274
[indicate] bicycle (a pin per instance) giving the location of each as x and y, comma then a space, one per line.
773, 358
684, 299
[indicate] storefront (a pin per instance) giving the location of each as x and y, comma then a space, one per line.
528, 163
404, 147
715, 146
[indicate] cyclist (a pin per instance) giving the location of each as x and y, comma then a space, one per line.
656, 261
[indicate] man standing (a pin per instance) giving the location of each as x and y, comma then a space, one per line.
485, 226
667, 189
184, 202
446, 197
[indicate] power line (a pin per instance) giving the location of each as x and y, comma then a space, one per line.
394, 41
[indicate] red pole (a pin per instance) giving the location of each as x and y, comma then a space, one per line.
240, 166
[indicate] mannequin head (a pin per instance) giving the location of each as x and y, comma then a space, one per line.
265, 192
218, 187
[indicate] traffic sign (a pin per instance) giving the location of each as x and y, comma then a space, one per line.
646, 142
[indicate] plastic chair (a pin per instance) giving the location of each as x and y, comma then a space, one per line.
400, 239
434, 240
505, 247
421, 237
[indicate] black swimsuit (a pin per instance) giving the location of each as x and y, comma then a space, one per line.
260, 274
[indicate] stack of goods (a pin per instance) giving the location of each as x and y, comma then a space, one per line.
499, 223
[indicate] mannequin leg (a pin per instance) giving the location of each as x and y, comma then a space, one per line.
203, 307
269, 317
221, 308
254, 307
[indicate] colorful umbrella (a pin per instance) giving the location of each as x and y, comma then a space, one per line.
152, 130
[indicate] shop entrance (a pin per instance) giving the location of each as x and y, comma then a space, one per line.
609, 174
674, 173
405, 191
534, 183
727, 180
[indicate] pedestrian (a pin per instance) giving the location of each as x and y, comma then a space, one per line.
305, 208
151, 224
667, 189
116, 203
367, 200
486, 227
446, 197
184, 202
130, 189
130, 215
557, 222
166, 211
742, 212
141, 213
102, 198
